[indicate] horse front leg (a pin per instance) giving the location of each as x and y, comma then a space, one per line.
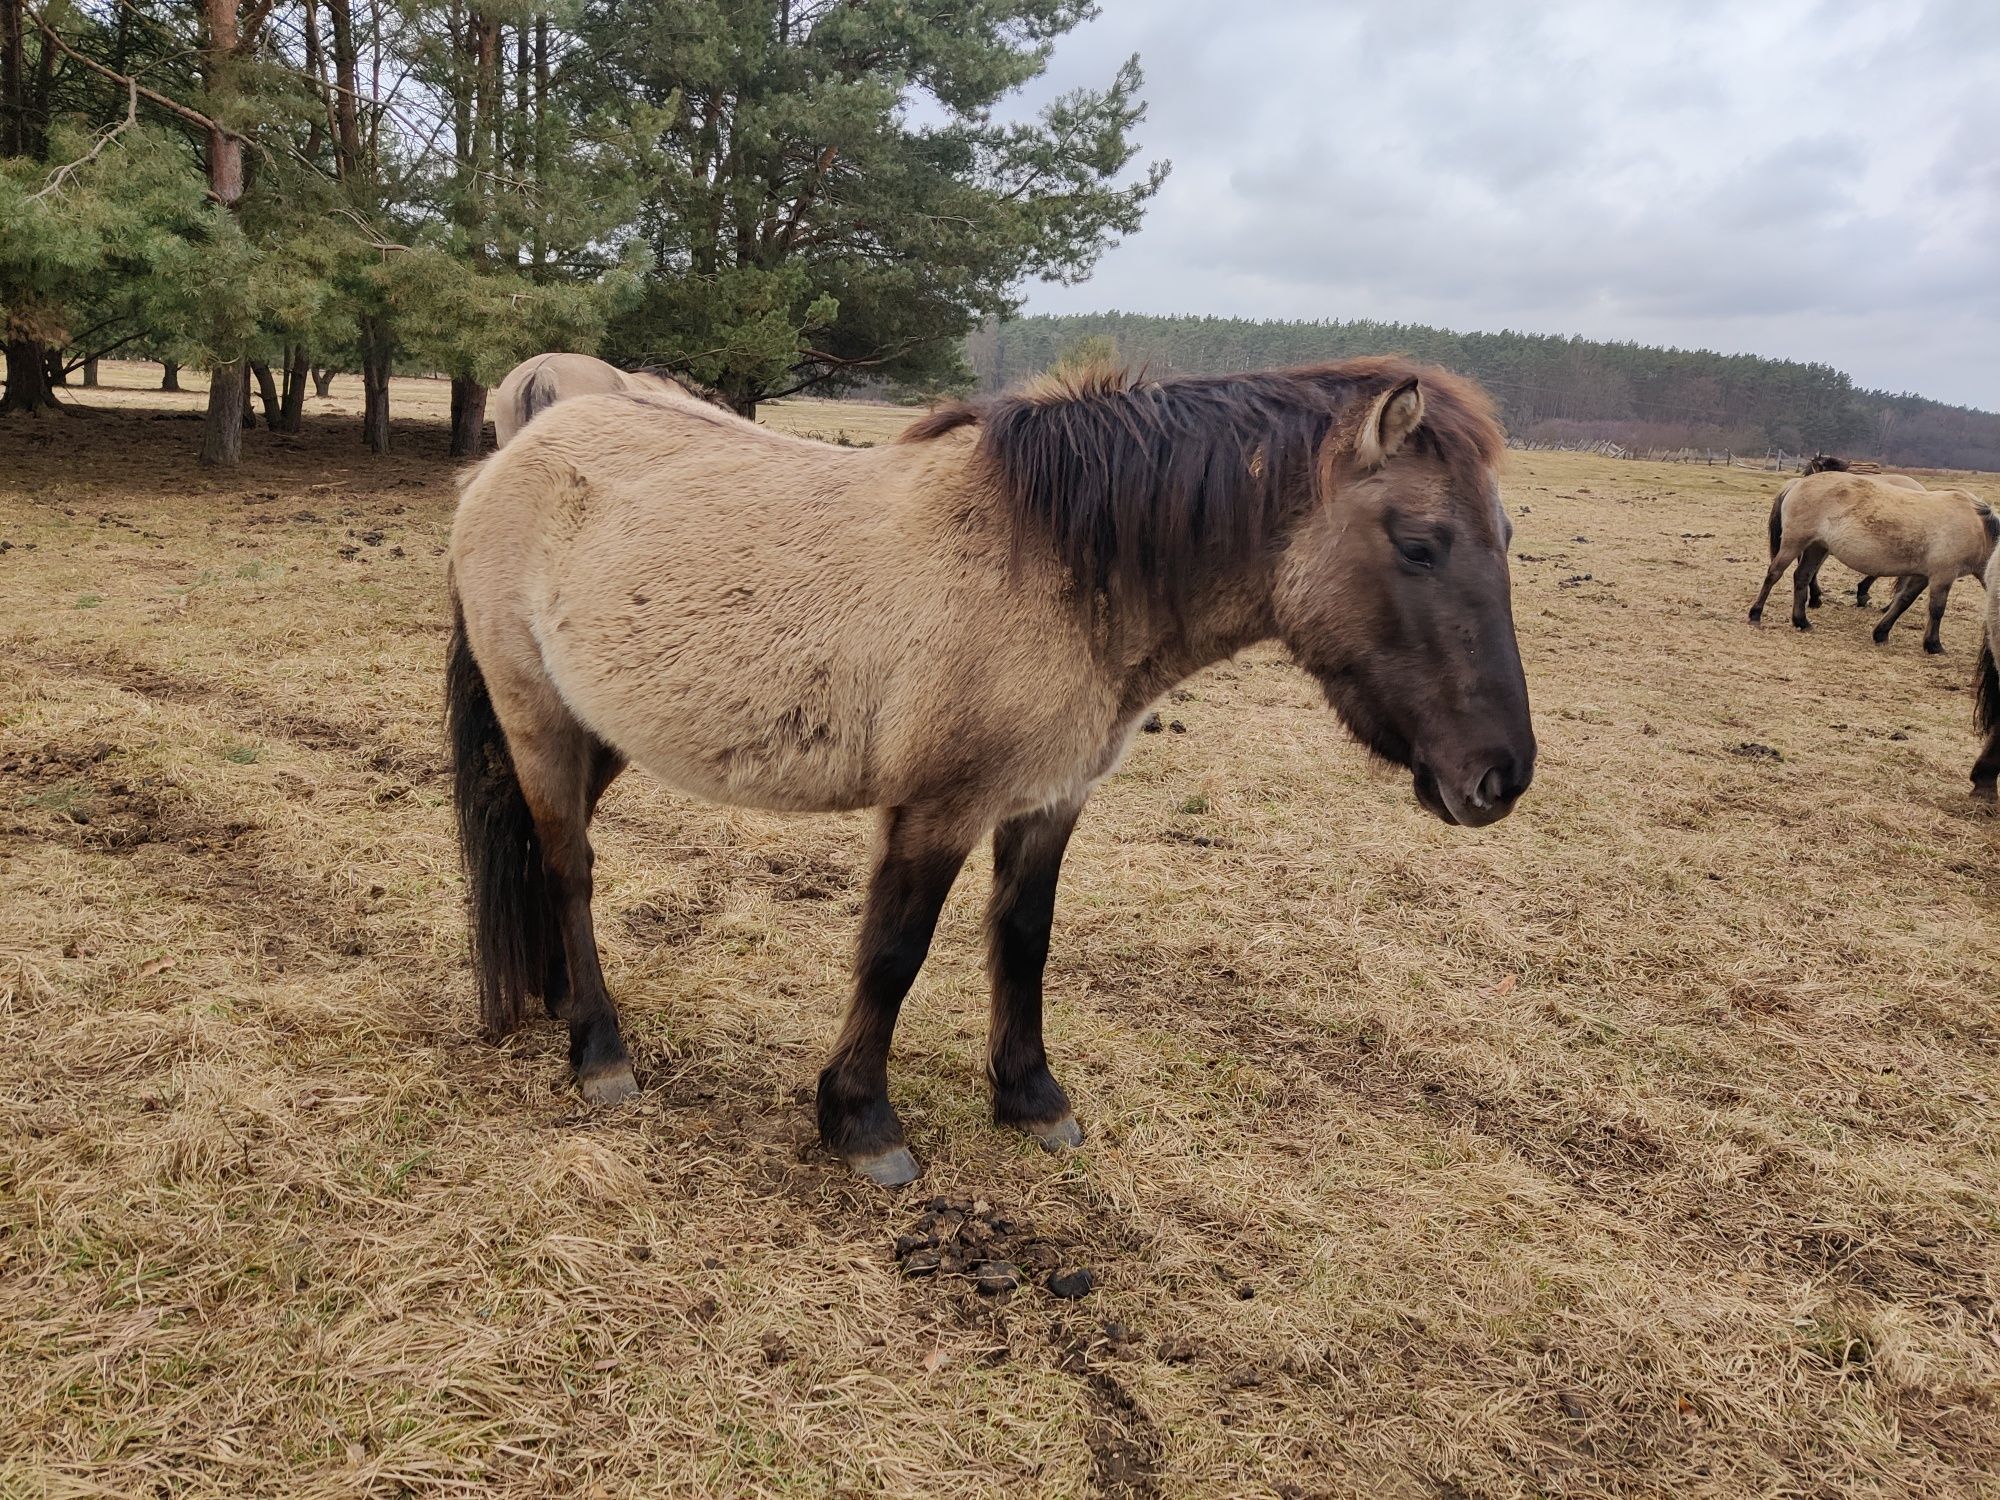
1940, 593
1027, 862
919, 856
1907, 590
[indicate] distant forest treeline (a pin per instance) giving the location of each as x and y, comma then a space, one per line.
1549, 388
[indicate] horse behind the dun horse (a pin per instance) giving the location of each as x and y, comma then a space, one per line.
1820, 463
1927, 536
541, 380
962, 629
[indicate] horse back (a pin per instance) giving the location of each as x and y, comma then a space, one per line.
541, 380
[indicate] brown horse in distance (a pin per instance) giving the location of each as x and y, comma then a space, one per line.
962, 629
541, 380
1928, 536
1821, 463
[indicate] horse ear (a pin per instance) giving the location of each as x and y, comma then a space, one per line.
1397, 413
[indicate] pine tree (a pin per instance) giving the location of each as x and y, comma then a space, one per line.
808, 224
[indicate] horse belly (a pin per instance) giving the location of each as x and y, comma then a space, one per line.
1884, 549
781, 738
754, 773
717, 713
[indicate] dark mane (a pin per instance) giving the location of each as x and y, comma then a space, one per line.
1148, 486
1823, 464
685, 383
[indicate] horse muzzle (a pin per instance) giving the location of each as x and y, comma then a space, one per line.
1474, 798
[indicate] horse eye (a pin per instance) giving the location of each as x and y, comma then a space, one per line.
1417, 554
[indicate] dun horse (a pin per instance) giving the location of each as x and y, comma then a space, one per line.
1986, 770
1929, 536
541, 380
1820, 463
962, 629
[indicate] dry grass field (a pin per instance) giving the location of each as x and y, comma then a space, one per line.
1647, 1143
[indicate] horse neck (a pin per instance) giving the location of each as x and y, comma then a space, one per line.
1151, 648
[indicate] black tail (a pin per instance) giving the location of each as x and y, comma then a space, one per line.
516, 945
1986, 691
1778, 518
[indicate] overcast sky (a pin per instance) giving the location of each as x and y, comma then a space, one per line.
1811, 179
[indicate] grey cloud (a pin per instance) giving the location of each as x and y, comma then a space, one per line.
1811, 180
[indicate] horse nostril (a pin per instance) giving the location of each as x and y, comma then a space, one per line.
1507, 779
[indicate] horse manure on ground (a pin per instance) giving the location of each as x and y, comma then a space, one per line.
997, 1254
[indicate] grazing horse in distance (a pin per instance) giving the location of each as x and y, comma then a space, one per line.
1820, 463
1986, 690
1928, 536
963, 629
541, 380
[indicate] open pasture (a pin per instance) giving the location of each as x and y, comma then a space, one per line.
1642, 1144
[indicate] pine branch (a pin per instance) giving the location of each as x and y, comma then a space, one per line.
139, 90
68, 170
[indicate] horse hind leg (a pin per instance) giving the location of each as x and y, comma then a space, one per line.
1986, 714
561, 769
605, 764
1782, 559
1907, 590
1805, 584
1986, 770
1940, 594
564, 770
1861, 591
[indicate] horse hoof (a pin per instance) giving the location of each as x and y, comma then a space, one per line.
1802, 624
614, 1085
1983, 791
1756, 616
1881, 637
1056, 1135
887, 1169
1933, 648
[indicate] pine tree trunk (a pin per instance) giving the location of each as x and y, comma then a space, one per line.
468, 416
295, 391
267, 392
53, 360
375, 385
90, 372
323, 382
27, 377
228, 384
222, 432
13, 87
170, 375
249, 411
